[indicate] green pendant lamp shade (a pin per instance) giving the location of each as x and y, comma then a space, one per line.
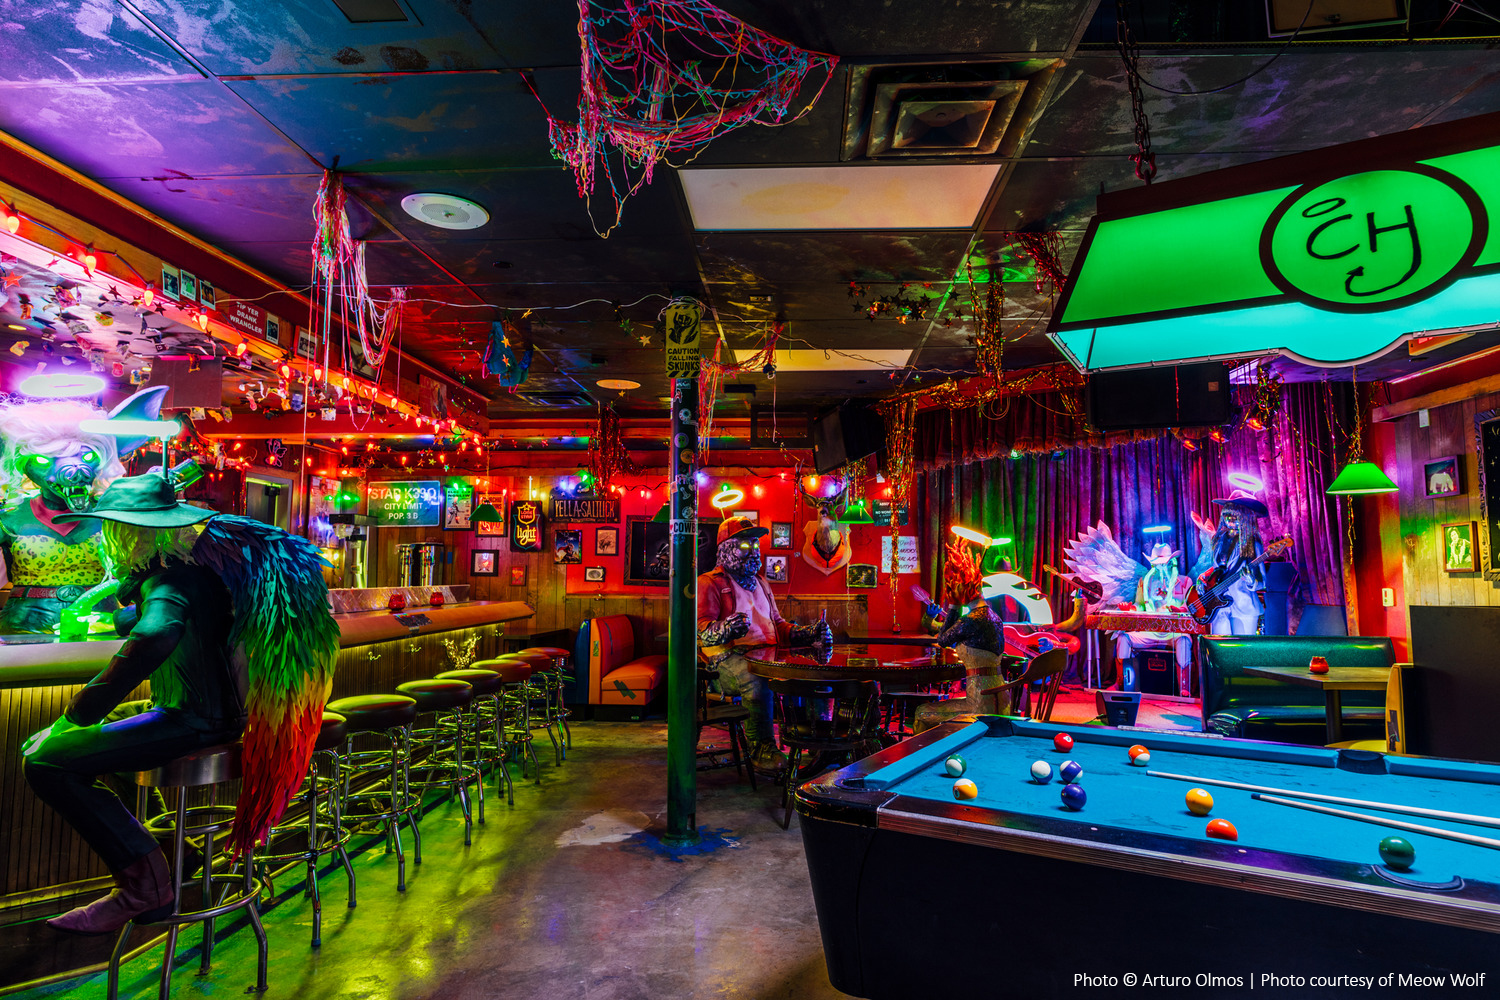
856, 513
1360, 478
664, 515
486, 512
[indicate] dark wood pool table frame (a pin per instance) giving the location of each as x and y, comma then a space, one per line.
924, 898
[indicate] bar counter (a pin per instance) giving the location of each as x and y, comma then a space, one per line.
41, 859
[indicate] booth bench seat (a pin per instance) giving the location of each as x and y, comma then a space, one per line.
1237, 705
608, 673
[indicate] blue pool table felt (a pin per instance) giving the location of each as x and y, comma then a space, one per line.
1121, 795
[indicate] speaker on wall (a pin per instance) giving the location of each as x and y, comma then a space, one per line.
849, 433
1176, 396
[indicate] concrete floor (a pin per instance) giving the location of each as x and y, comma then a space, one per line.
567, 895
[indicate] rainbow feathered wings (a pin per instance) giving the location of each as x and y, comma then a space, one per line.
291, 641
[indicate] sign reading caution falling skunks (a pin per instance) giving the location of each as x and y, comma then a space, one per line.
1331, 257
684, 323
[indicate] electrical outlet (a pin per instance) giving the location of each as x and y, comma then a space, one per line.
1388, 596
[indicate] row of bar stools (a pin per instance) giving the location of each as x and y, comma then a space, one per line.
483, 721
323, 826
561, 678
515, 720
208, 767
438, 751
387, 719
538, 691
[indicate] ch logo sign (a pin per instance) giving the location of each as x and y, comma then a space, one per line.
1373, 240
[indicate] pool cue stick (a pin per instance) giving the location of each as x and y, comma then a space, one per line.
1452, 817
1431, 831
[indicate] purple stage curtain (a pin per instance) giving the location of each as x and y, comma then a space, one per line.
1044, 500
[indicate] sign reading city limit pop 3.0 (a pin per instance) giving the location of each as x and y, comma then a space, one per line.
1331, 257
408, 504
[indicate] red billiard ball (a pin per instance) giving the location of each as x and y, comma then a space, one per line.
1222, 829
1137, 750
1063, 742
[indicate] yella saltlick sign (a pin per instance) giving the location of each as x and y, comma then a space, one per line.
1331, 257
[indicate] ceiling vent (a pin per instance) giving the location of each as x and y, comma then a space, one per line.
958, 110
371, 11
554, 400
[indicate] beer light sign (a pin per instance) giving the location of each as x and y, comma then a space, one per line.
1330, 257
527, 525
407, 503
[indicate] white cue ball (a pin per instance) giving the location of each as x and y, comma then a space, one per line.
1041, 772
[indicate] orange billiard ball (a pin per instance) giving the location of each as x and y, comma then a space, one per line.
1199, 802
1222, 829
1137, 750
1063, 742
963, 788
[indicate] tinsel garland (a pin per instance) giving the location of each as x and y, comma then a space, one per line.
1045, 249
989, 340
640, 95
340, 283
712, 377
608, 455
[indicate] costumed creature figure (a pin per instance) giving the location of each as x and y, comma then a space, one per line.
508, 356
826, 545
1234, 549
735, 605
232, 628
55, 468
1122, 582
979, 639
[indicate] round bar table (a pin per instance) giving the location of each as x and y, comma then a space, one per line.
889, 664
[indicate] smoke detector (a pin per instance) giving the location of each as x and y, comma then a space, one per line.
445, 211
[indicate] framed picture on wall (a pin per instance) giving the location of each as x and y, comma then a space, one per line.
753, 516
781, 534
1441, 477
518, 575
860, 575
776, 569
496, 501
568, 546
593, 574
1459, 551
456, 511
648, 550
484, 562
1487, 445
606, 541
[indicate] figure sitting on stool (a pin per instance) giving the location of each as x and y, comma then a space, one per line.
735, 603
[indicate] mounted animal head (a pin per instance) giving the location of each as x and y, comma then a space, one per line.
830, 533
45, 451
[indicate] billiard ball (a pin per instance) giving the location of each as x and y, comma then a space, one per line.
1141, 760
1070, 771
955, 765
1222, 829
1063, 742
1397, 853
1041, 772
1199, 802
963, 788
1073, 796
1136, 751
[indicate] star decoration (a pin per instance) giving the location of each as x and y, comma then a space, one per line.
12, 279
645, 339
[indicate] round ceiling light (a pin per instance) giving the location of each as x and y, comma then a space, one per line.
445, 211
617, 383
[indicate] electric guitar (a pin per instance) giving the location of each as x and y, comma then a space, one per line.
1207, 593
1090, 589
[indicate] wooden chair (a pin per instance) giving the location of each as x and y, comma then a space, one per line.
1395, 720
1049, 667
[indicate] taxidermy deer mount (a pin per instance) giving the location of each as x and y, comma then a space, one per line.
826, 547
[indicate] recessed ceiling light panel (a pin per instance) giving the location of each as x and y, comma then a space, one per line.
445, 211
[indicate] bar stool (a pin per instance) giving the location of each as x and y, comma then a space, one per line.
515, 704
208, 767
439, 752
541, 691
562, 677
386, 717
323, 826
484, 718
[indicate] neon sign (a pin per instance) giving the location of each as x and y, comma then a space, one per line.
408, 504
527, 526
1304, 256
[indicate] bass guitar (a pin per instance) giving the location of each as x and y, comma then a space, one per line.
1207, 593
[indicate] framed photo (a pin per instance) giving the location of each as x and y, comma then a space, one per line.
171, 282
518, 575
207, 295
781, 534
753, 516
593, 574
648, 550
606, 542
273, 328
189, 285
776, 569
457, 510
1459, 550
567, 546
860, 575
484, 562
489, 527
1442, 477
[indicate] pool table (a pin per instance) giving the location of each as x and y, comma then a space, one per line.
1012, 894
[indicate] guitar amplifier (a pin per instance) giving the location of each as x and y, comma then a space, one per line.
1156, 670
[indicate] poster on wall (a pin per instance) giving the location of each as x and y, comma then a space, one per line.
407, 503
880, 513
648, 550
527, 526
432, 397
568, 547
496, 501
323, 494
457, 510
906, 555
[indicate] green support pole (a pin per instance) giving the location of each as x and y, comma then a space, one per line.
682, 627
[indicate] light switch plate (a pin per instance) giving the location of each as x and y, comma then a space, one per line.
1422, 418
1388, 596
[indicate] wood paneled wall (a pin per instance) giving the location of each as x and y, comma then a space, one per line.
1450, 431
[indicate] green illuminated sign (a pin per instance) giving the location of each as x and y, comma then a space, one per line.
1325, 267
